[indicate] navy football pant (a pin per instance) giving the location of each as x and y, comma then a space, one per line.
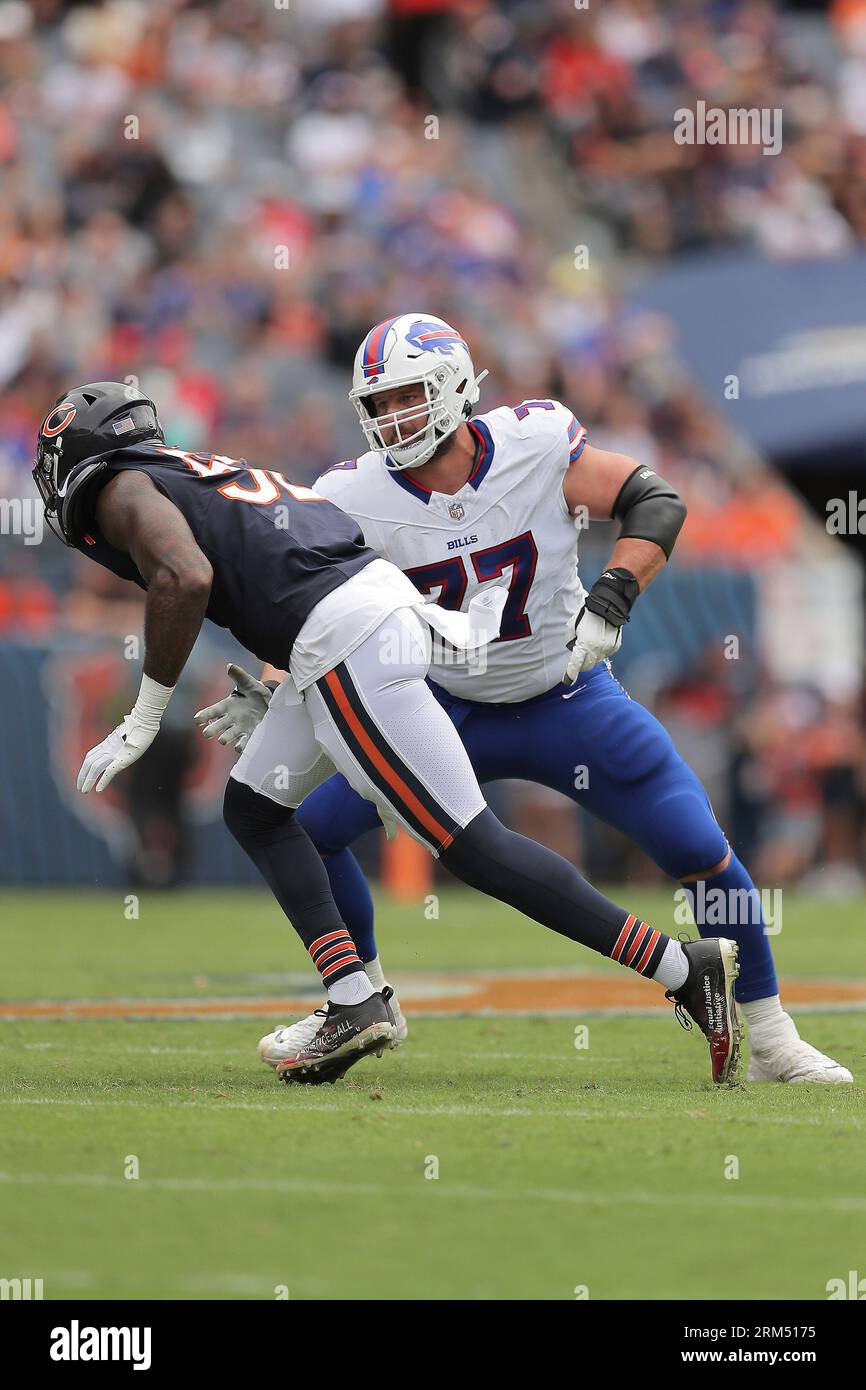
634, 780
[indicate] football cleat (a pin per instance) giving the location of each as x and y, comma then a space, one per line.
286, 1042
290, 1039
347, 1033
402, 1033
794, 1060
708, 997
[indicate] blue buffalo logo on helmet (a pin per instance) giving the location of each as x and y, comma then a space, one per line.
430, 336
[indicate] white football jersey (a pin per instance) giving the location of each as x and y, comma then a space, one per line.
508, 526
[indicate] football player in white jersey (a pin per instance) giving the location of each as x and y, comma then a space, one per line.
461, 503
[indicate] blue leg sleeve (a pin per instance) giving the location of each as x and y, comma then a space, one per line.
609, 754
728, 904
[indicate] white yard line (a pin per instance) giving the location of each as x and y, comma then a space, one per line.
293, 1103
142, 1012
463, 1191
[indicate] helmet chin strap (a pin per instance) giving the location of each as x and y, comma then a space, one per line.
440, 441
399, 466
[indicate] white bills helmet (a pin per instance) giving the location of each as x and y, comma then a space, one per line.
404, 351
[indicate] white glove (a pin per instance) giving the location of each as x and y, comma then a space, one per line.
129, 740
124, 746
594, 639
234, 718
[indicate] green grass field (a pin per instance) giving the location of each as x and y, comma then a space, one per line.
557, 1168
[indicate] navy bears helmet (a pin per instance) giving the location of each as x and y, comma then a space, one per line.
89, 422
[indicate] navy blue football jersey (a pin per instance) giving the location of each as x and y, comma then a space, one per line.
275, 548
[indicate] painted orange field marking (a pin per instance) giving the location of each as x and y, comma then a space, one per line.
541, 993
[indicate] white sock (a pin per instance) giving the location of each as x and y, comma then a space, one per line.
376, 976
673, 966
375, 973
352, 989
768, 1022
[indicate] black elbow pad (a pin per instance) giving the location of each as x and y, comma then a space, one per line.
649, 509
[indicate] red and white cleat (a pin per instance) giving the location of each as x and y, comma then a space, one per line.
708, 997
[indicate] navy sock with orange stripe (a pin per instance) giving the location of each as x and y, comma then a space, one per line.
546, 887
290, 864
642, 947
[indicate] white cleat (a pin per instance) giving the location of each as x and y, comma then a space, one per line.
796, 1060
402, 1032
290, 1039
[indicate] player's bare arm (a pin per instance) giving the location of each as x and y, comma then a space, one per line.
270, 673
608, 486
135, 518
596, 483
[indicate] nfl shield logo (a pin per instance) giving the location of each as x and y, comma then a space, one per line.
456, 511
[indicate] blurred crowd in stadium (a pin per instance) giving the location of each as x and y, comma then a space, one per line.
221, 198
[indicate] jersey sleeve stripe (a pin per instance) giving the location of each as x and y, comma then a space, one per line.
577, 445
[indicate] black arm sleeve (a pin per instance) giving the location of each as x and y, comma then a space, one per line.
649, 509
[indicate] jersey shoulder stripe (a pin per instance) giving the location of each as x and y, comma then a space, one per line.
545, 423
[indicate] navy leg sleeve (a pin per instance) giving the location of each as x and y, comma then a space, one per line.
334, 816
290, 865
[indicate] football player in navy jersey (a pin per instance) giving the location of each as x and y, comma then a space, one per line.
290, 575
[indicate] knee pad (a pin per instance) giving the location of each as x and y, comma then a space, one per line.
687, 838
251, 817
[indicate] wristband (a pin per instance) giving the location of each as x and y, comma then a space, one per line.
152, 700
612, 596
